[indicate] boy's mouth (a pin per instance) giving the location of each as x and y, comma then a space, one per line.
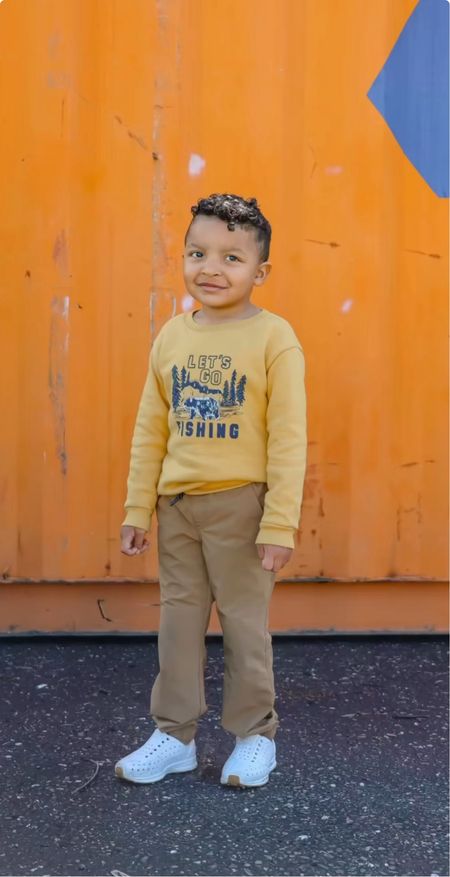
211, 286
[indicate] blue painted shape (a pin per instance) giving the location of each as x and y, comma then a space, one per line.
412, 92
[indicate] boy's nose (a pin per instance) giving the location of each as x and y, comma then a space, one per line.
210, 276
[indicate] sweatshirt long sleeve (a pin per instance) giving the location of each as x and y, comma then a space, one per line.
148, 448
223, 405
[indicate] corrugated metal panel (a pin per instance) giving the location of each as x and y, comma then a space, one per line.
116, 118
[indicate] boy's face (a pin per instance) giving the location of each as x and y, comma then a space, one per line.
222, 266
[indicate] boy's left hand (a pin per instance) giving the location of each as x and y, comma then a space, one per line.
274, 557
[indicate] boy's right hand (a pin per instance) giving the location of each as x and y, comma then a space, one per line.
132, 540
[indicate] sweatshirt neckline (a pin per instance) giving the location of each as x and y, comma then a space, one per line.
226, 324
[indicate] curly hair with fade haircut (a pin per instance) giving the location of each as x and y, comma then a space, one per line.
235, 210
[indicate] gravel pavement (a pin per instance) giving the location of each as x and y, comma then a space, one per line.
360, 787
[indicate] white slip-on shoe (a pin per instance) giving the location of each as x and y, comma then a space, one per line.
250, 762
160, 755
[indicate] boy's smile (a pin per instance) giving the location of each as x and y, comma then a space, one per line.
221, 267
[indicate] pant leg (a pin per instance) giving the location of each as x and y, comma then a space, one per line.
178, 696
242, 591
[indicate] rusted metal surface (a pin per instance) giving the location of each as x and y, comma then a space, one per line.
310, 608
117, 118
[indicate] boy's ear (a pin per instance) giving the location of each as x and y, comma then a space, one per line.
262, 272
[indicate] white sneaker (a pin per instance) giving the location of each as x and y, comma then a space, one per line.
160, 755
250, 762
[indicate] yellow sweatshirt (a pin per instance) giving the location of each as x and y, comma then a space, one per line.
223, 405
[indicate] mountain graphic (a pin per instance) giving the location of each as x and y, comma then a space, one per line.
232, 394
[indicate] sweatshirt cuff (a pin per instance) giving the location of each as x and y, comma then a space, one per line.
137, 517
276, 536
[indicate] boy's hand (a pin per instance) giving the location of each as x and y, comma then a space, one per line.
132, 540
274, 557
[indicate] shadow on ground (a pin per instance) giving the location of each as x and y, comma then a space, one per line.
360, 788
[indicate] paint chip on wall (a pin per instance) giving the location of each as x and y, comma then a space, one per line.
346, 305
187, 303
196, 165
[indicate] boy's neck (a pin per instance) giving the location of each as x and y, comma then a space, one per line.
212, 316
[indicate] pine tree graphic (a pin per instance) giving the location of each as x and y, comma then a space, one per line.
176, 388
183, 377
240, 392
226, 393
233, 388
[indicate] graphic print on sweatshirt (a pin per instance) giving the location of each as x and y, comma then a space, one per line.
206, 393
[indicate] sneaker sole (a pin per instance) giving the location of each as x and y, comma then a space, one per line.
235, 780
154, 778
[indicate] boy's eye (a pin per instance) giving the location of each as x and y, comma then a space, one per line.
198, 254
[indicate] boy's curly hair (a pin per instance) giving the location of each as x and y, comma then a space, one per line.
235, 209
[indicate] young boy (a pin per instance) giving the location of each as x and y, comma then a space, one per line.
219, 450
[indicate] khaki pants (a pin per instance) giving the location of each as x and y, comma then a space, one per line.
207, 552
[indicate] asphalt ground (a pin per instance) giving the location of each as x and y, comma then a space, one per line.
360, 787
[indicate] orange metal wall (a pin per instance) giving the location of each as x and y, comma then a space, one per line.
116, 116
